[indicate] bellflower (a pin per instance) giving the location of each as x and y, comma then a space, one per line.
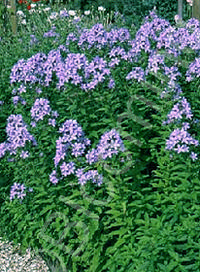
24, 154
179, 109
136, 73
109, 144
18, 190
67, 168
193, 70
53, 177
178, 137
40, 108
17, 134
78, 149
193, 156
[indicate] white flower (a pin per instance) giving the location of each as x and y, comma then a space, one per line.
53, 15
176, 18
46, 9
190, 2
8, 6
76, 18
87, 12
101, 8
20, 13
33, 5
63, 12
23, 22
72, 12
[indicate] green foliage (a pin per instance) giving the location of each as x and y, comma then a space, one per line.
145, 216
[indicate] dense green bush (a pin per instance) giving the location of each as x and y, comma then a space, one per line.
144, 216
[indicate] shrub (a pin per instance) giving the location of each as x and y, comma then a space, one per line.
101, 142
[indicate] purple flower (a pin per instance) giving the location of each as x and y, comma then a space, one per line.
180, 136
16, 99
82, 178
3, 148
193, 156
30, 71
52, 122
38, 90
137, 73
51, 33
193, 24
92, 156
71, 130
71, 37
40, 109
17, 189
54, 114
109, 144
78, 149
67, 168
178, 110
181, 148
93, 175
155, 62
114, 62
17, 134
33, 124
61, 148
33, 40
186, 125
172, 73
111, 84
24, 154
22, 89
64, 13
53, 178
193, 70
23, 102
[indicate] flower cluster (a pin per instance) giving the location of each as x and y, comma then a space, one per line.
137, 73
72, 139
109, 144
155, 63
18, 190
73, 144
40, 68
51, 33
194, 70
75, 68
17, 135
40, 108
98, 37
93, 175
29, 71
180, 139
179, 109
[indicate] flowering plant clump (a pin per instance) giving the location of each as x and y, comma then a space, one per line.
104, 132
18, 190
74, 142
